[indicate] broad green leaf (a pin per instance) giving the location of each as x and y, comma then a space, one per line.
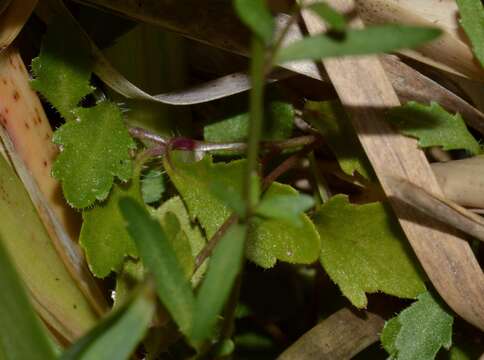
433, 126
285, 207
334, 19
21, 334
63, 69
472, 20
158, 256
270, 239
104, 237
191, 230
389, 336
118, 335
278, 124
256, 15
357, 242
276, 239
225, 264
152, 186
95, 149
331, 120
52, 289
423, 328
357, 42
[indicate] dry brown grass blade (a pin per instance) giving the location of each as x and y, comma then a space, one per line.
366, 93
13, 19
231, 36
448, 53
341, 336
26, 134
462, 181
437, 207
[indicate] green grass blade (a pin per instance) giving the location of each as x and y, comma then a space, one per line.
21, 335
358, 42
334, 19
173, 288
256, 15
118, 336
224, 266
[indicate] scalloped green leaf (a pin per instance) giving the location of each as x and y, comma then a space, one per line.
433, 126
104, 237
419, 331
356, 243
270, 239
63, 69
472, 20
94, 150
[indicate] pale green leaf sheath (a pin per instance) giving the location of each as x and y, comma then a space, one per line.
188, 240
104, 237
330, 119
419, 331
270, 239
364, 251
63, 69
472, 20
433, 126
95, 150
21, 335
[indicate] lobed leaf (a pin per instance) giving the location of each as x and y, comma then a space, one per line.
285, 207
269, 239
104, 238
472, 20
63, 69
419, 331
256, 15
276, 239
357, 42
94, 150
356, 243
433, 126
159, 257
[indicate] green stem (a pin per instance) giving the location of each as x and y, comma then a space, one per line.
256, 119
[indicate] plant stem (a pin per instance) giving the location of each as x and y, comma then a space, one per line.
256, 119
236, 147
